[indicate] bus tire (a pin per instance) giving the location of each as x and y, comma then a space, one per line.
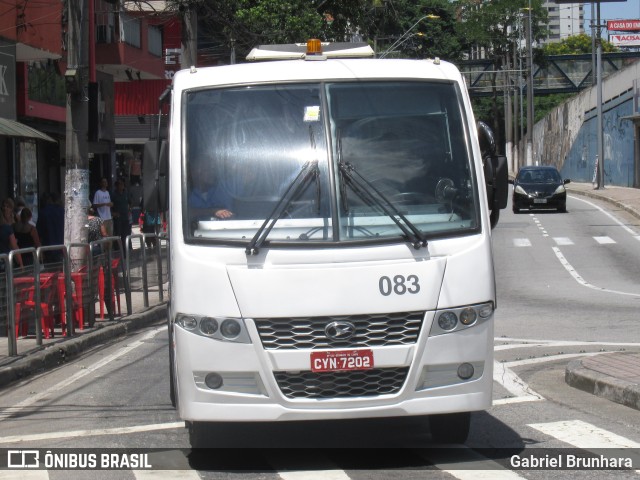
198, 434
450, 427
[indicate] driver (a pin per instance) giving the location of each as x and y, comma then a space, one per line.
206, 192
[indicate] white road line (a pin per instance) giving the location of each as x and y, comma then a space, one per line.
563, 241
521, 242
584, 435
604, 240
581, 280
8, 412
17, 439
625, 227
550, 358
561, 343
514, 385
465, 464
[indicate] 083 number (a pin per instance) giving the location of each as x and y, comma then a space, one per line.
399, 285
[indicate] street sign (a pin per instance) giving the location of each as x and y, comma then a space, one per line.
628, 40
623, 25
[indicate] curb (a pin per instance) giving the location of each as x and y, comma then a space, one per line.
58, 354
613, 389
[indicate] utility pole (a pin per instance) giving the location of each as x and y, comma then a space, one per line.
77, 149
530, 116
189, 57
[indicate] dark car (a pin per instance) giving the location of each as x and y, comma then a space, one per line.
539, 187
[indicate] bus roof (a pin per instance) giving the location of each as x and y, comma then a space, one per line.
310, 71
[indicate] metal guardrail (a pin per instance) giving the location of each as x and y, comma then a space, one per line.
136, 261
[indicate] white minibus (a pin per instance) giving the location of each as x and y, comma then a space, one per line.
329, 231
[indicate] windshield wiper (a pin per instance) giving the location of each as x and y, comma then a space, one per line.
363, 188
297, 185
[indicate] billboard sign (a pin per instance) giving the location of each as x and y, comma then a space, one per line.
628, 40
623, 25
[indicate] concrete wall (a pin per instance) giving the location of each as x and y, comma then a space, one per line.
567, 136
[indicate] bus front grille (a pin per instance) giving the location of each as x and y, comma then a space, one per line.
361, 383
371, 330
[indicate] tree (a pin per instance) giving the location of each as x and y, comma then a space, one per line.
495, 29
575, 45
240, 25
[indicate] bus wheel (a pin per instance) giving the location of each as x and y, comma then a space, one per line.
450, 427
198, 434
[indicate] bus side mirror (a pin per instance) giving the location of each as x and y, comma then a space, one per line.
496, 172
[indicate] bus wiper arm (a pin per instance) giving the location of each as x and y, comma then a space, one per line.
364, 188
308, 170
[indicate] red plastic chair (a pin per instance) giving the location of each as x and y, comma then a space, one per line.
26, 302
76, 300
114, 295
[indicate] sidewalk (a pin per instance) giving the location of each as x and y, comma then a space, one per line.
614, 376
33, 358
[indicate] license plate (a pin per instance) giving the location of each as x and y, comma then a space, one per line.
341, 360
539, 200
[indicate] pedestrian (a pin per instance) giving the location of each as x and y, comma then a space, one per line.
20, 204
96, 230
26, 234
102, 204
121, 212
150, 222
8, 240
50, 225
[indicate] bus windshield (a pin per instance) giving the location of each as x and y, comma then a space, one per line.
374, 161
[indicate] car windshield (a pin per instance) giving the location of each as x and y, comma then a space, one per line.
546, 175
288, 154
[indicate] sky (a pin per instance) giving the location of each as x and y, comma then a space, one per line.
629, 10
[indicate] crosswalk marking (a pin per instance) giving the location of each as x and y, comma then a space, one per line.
563, 241
604, 240
521, 242
583, 435
166, 474
465, 464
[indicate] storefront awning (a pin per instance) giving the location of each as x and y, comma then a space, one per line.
11, 128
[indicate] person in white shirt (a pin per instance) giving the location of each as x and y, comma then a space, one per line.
102, 202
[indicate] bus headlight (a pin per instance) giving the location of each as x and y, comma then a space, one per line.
230, 328
447, 320
188, 322
459, 318
218, 328
208, 326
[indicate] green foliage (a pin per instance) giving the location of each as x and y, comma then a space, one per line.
576, 44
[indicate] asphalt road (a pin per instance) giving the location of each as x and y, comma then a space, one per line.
564, 291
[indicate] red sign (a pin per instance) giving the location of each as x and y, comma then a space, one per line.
623, 25
341, 360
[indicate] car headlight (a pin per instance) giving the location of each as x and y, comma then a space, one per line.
560, 189
219, 328
520, 190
